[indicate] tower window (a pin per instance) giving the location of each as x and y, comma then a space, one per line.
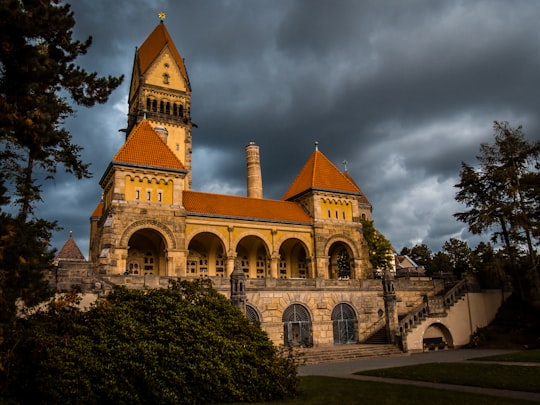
161, 107
165, 78
148, 104
154, 105
148, 195
160, 195
168, 108
137, 194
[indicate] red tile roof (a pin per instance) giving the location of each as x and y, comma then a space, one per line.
321, 174
152, 47
226, 206
70, 252
144, 147
98, 211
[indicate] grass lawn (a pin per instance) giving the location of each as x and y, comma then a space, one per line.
527, 356
517, 378
317, 390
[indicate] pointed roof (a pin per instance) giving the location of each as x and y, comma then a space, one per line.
98, 211
246, 208
145, 148
320, 174
70, 252
152, 47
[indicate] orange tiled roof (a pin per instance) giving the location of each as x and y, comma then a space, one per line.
98, 212
152, 47
321, 174
226, 206
144, 147
70, 252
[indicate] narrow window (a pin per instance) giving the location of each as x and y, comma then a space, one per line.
329, 215
137, 194
159, 195
148, 195
165, 78
174, 109
161, 107
168, 108
154, 105
148, 104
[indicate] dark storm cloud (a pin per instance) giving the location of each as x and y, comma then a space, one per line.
402, 90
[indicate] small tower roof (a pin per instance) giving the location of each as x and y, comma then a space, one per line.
145, 148
152, 47
70, 252
319, 173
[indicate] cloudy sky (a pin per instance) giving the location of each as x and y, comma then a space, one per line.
404, 90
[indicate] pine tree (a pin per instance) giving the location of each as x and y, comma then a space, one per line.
502, 197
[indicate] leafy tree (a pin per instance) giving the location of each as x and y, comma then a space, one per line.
381, 254
489, 265
460, 255
441, 264
502, 197
182, 345
421, 254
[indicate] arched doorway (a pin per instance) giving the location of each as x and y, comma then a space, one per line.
293, 262
205, 256
344, 324
146, 253
252, 257
297, 326
340, 261
437, 336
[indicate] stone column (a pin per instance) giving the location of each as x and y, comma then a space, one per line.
391, 313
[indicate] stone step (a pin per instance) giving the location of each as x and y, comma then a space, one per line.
323, 354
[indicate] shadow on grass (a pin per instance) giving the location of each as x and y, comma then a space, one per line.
318, 390
500, 376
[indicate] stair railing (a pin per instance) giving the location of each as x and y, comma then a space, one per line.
455, 293
416, 316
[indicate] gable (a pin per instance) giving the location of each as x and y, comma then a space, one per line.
145, 148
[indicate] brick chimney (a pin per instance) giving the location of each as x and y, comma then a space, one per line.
254, 177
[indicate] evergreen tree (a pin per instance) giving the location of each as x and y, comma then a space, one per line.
502, 197
39, 83
460, 255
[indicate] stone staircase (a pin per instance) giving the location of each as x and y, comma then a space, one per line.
433, 306
330, 353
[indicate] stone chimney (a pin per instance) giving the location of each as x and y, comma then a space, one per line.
254, 177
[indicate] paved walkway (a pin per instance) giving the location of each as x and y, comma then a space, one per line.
346, 370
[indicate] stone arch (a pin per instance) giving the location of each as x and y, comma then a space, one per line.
437, 336
253, 255
297, 326
344, 324
167, 234
293, 259
341, 253
206, 254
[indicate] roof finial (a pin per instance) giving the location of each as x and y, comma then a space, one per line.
316, 145
162, 15
345, 163
70, 233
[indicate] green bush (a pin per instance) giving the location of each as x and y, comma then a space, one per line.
182, 345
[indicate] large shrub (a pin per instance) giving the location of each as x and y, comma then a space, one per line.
182, 345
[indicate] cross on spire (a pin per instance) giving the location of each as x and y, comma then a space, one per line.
162, 15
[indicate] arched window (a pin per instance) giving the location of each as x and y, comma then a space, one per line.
161, 107
148, 104
165, 78
154, 105
252, 315
168, 108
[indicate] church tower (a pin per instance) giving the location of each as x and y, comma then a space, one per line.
160, 92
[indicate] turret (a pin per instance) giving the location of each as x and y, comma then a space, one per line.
254, 177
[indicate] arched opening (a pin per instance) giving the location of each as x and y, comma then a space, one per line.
297, 326
252, 315
340, 261
205, 256
146, 253
344, 324
437, 337
252, 256
293, 262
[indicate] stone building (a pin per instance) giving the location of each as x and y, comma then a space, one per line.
299, 265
